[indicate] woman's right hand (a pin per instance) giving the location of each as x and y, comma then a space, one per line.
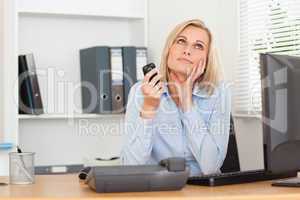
152, 93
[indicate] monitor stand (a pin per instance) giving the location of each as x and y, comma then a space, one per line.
289, 182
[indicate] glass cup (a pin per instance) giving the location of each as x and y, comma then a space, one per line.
21, 168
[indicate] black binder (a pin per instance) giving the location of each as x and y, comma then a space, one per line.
117, 80
96, 80
129, 70
30, 101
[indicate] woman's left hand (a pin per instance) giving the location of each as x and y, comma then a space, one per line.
185, 89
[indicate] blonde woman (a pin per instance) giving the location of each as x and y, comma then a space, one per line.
184, 110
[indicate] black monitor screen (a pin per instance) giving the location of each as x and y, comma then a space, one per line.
280, 76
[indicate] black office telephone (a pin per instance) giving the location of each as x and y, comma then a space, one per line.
169, 174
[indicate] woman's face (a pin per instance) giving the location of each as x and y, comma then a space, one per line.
189, 48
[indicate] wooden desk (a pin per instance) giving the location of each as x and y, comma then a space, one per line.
68, 187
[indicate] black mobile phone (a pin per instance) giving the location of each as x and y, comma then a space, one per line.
147, 68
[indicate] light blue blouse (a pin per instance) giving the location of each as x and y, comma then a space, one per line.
200, 135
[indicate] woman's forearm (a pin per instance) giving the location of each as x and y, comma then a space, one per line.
139, 141
208, 139
138, 133
208, 147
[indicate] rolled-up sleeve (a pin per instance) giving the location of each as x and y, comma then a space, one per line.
208, 139
138, 132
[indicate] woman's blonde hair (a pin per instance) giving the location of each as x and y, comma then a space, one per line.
213, 72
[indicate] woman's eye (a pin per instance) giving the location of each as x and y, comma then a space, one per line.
198, 46
180, 41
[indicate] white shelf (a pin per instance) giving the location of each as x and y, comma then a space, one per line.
113, 8
99, 15
54, 31
76, 116
257, 116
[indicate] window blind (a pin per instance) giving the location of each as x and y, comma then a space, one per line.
271, 26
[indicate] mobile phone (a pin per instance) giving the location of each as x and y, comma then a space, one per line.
147, 68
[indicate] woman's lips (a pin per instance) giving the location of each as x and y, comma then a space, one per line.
184, 60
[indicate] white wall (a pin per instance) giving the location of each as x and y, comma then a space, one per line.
250, 142
1, 68
221, 17
71, 142
8, 114
228, 36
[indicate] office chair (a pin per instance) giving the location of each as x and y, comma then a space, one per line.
231, 162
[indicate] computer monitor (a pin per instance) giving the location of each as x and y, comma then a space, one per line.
280, 78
